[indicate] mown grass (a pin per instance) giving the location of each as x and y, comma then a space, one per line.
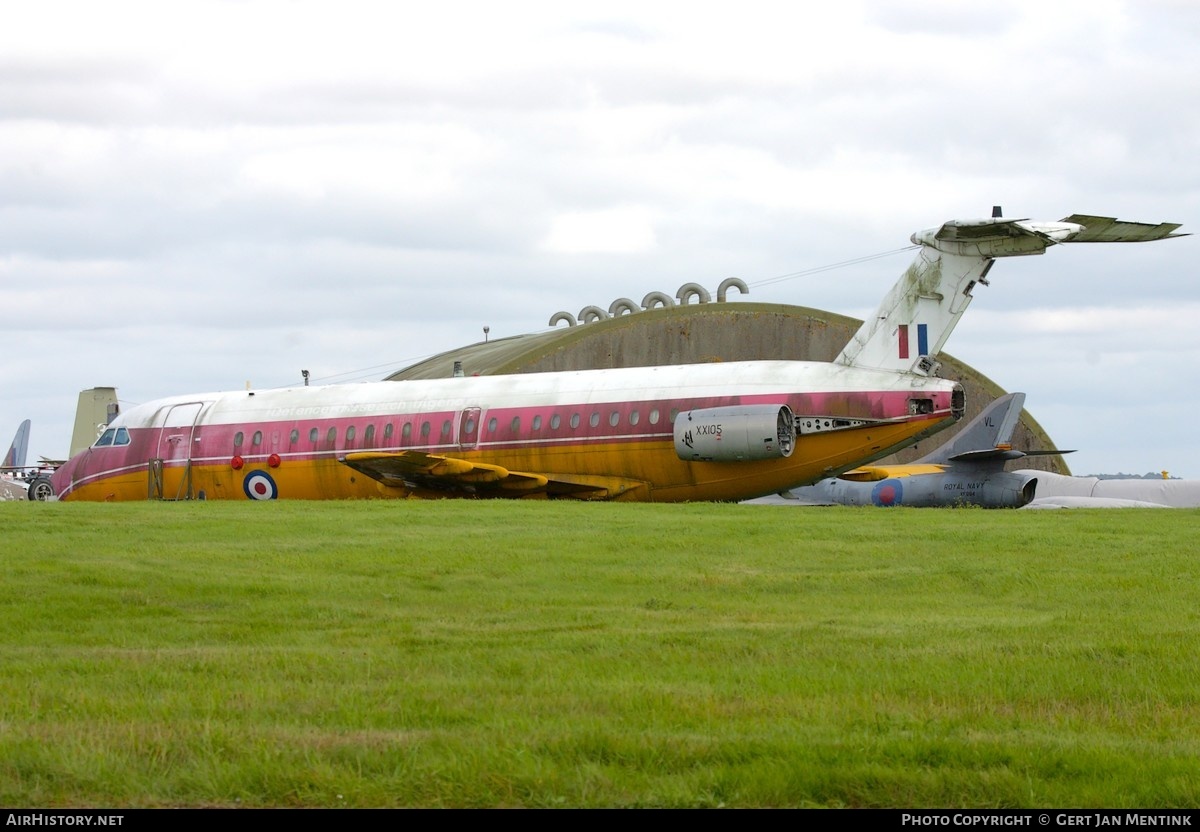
465, 654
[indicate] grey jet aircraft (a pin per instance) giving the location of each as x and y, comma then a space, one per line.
968, 470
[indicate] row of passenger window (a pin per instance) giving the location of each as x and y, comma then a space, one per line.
555, 421
314, 435
469, 426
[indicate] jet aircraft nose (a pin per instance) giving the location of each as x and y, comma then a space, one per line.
64, 475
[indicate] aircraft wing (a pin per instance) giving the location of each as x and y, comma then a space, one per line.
462, 477
874, 473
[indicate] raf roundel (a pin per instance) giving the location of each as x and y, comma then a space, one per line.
258, 485
888, 493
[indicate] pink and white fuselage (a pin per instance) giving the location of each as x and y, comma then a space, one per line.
608, 434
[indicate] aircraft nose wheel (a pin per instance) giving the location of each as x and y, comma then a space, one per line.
40, 489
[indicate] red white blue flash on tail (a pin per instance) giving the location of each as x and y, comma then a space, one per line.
922, 340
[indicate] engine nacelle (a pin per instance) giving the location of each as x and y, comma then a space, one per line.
1009, 490
735, 434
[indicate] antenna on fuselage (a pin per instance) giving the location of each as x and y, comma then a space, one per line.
305, 374
996, 212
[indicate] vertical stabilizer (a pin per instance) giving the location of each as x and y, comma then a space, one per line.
97, 407
993, 426
19, 450
912, 324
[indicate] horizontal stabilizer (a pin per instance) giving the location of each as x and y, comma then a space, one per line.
914, 320
1004, 454
1112, 230
958, 230
988, 455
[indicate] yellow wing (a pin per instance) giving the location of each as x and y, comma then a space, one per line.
874, 473
466, 478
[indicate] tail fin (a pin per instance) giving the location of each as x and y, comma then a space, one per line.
15, 458
922, 309
993, 427
97, 407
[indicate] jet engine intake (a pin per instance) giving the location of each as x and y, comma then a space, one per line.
735, 434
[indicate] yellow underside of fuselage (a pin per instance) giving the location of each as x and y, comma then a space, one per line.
654, 470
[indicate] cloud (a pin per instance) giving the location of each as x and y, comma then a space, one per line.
626, 230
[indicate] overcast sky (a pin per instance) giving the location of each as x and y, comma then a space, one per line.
194, 196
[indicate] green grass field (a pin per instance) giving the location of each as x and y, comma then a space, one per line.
491, 654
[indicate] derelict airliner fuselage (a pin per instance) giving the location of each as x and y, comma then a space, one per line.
724, 431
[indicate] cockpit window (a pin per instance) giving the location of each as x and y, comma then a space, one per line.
113, 436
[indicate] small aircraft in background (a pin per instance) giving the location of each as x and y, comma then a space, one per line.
721, 431
18, 450
19, 481
12, 472
967, 471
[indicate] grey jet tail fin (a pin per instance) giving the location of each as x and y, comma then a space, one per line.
15, 458
981, 436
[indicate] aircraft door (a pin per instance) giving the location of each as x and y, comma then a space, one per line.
468, 428
171, 467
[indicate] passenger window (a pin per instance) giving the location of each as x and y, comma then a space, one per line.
425, 430
445, 430
555, 421
537, 423
257, 440
594, 420
634, 418
515, 426
388, 431
331, 437
614, 418
237, 439
492, 425
369, 436
574, 420
295, 437
406, 434
654, 416
312, 435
